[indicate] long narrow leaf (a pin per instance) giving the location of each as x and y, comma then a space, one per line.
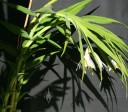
99, 19
47, 7
54, 43
95, 39
35, 62
105, 49
20, 8
74, 9
15, 29
67, 35
9, 49
81, 54
86, 27
106, 33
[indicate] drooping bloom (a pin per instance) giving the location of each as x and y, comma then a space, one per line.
101, 64
88, 61
116, 66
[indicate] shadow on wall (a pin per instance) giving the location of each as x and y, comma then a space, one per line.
57, 87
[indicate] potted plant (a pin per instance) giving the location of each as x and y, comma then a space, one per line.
41, 39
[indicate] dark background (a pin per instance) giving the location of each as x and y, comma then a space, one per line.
40, 84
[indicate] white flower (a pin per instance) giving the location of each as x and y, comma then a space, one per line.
102, 64
99, 61
108, 68
116, 66
88, 61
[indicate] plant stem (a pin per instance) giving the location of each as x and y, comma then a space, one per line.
13, 98
5, 102
12, 94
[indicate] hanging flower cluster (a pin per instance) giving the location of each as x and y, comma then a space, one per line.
90, 64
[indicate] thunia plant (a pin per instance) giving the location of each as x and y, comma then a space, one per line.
42, 35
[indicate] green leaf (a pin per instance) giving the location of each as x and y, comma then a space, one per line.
61, 29
107, 34
123, 67
99, 43
76, 8
53, 52
104, 33
65, 46
41, 39
33, 51
38, 60
41, 32
43, 23
81, 53
84, 25
20, 8
28, 43
87, 29
67, 35
15, 29
99, 19
54, 43
122, 52
47, 8
35, 62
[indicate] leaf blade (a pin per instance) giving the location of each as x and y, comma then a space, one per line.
14, 29
74, 9
20, 8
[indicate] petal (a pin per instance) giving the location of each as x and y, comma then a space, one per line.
115, 64
99, 60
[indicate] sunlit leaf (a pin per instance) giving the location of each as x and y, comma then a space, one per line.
76, 8
35, 62
106, 33
47, 8
61, 29
54, 43
99, 19
81, 53
85, 27
41, 32
67, 35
